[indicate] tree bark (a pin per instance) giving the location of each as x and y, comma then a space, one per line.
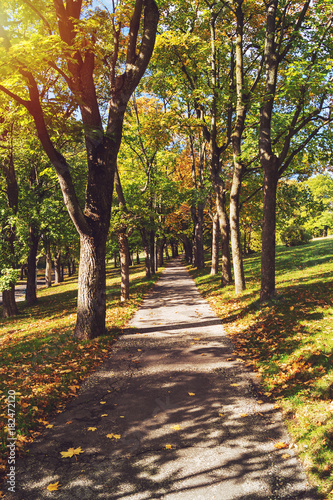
31, 295
91, 301
215, 246
48, 266
187, 249
57, 268
9, 307
124, 265
267, 291
146, 252
236, 244
221, 209
152, 252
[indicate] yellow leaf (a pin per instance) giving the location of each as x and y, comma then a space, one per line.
102, 402
176, 427
71, 452
197, 338
104, 415
191, 393
113, 436
260, 402
221, 414
244, 415
69, 422
92, 428
168, 446
53, 486
234, 385
285, 456
280, 445
292, 308
49, 426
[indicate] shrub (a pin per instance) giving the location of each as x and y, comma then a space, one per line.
294, 236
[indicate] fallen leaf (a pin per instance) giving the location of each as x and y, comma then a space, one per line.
49, 426
244, 415
92, 428
168, 446
53, 486
260, 402
104, 415
234, 385
102, 402
221, 414
71, 451
280, 445
113, 436
285, 456
69, 422
176, 427
191, 393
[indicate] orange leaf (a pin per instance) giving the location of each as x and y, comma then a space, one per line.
280, 445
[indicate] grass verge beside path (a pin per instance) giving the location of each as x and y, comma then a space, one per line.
41, 360
290, 343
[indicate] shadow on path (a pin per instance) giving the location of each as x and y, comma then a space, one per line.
175, 416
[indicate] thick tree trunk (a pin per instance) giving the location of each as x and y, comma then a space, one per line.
146, 252
221, 209
215, 245
31, 296
57, 268
160, 247
236, 244
48, 267
124, 265
9, 307
91, 300
187, 249
267, 291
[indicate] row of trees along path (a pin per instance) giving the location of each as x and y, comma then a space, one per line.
241, 91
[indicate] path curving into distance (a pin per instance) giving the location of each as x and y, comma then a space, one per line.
182, 412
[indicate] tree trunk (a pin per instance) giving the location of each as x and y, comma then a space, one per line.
57, 268
124, 265
91, 300
160, 247
48, 267
215, 246
73, 266
197, 248
69, 269
221, 209
167, 256
152, 252
187, 249
146, 252
31, 296
137, 256
267, 291
115, 259
236, 244
9, 307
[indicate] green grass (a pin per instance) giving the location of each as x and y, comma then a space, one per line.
42, 361
290, 343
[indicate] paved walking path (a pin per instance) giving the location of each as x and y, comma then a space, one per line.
183, 417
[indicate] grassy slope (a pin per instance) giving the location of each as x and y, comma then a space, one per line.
290, 343
42, 361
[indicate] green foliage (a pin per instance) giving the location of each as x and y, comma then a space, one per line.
8, 278
294, 236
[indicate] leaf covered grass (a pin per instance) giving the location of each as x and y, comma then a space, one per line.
289, 341
41, 360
